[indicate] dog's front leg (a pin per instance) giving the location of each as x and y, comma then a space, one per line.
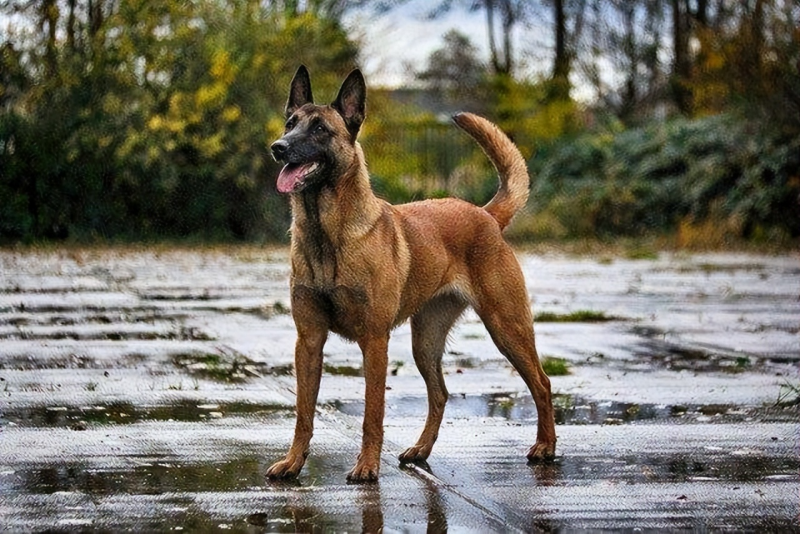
376, 360
308, 369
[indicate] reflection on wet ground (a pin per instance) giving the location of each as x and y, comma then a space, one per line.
575, 410
148, 390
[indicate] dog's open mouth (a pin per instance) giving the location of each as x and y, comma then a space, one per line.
293, 176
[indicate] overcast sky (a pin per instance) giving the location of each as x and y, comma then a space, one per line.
405, 36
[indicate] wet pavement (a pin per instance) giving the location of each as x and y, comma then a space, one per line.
149, 389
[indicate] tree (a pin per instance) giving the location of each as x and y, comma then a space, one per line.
565, 49
454, 71
561, 59
636, 44
681, 60
152, 118
510, 14
747, 58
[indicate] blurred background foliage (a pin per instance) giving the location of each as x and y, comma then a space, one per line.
151, 119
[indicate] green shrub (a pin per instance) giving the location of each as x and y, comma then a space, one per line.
716, 173
578, 316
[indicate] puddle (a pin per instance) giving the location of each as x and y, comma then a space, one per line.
656, 351
140, 315
342, 370
226, 496
153, 476
722, 466
100, 324
178, 334
688, 359
224, 366
85, 417
575, 410
216, 366
677, 358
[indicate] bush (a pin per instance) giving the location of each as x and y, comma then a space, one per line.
684, 176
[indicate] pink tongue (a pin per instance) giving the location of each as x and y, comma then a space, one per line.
291, 176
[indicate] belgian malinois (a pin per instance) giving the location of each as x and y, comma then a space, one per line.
361, 266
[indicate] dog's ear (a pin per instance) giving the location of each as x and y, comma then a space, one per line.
299, 91
351, 102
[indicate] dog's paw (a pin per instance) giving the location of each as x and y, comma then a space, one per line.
417, 453
289, 467
363, 472
542, 452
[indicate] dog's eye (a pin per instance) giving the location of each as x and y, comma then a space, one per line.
320, 129
290, 123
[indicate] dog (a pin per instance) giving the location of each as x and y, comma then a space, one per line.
361, 266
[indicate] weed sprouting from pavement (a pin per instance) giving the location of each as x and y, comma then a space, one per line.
578, 316
555, 366
395, 366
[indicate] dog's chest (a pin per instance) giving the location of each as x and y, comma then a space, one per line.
345, 309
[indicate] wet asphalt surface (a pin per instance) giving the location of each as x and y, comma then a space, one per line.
149, 390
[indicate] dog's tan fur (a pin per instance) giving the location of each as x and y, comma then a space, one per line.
361, 266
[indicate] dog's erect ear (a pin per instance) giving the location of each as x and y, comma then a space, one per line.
350, 103
299, 91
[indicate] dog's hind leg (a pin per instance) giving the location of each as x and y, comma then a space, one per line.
502, 304
429, 329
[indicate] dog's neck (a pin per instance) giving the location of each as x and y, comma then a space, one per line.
343, 210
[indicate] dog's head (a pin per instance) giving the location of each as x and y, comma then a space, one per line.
319, 141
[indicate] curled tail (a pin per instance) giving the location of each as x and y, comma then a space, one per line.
506, 158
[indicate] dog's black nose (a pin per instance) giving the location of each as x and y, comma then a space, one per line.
279, 149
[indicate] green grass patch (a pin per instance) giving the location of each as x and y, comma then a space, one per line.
555, 366
641, 252
578, 316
